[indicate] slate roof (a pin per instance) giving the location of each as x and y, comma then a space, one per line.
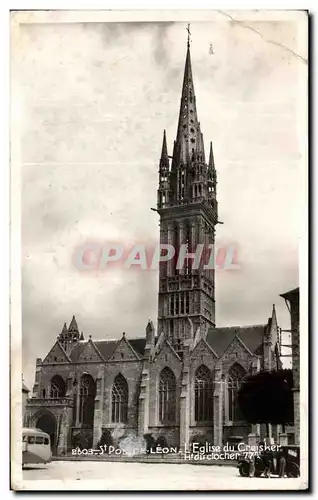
138, 345
217, 338
220, 338
107, 347
291, 294
75, 352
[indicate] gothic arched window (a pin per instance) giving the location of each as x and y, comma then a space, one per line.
120, 400
234, 380
87, 393
57, 387
167, 396
203, 395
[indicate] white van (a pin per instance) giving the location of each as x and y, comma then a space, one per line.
36, 447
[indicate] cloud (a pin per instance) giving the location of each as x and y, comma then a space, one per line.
93, 116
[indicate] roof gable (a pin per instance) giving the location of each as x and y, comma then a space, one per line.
202, 348
124, 351
57, 355
166, 349
106, 348
89, 353
236, 347
220, 338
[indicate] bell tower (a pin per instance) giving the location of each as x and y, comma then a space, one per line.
187, 207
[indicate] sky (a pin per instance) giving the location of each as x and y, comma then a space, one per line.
95, 99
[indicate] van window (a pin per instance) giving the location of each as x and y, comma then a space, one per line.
31, 439
39, 440
46, 441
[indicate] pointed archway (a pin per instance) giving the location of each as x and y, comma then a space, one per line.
47, 423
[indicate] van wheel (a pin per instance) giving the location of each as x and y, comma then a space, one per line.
258, 473
293, 470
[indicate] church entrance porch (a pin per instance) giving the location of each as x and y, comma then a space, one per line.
47, 423
53, 416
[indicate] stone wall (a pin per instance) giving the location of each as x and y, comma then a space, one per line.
125, 362
131, 370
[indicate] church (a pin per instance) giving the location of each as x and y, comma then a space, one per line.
177, 383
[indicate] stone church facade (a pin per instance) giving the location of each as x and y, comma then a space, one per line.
178, 384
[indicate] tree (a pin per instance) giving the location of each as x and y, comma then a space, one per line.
267, 397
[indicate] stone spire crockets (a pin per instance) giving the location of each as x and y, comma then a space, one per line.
187, 207
70, 335
187, 177
188, 133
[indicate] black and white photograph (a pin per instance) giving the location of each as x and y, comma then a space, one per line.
159, 282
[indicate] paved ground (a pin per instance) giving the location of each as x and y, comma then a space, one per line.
139, 476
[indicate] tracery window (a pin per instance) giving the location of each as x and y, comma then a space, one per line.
234, 380
120, 400
57, 387
203, 395
87, 393
167, 396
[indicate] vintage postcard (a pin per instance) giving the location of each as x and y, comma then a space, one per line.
159, 173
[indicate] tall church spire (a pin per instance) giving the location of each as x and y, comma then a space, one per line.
188, 127
187, 206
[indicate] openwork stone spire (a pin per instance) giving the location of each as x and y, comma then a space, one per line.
188, 133
187, 207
